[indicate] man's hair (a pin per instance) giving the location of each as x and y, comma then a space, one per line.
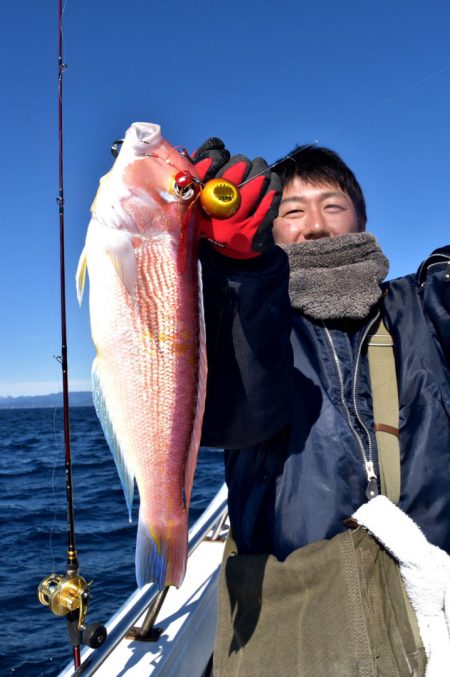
315, 164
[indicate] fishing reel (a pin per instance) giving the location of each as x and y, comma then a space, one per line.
69, 596
219, 198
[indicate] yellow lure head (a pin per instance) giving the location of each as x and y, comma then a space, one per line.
220, 198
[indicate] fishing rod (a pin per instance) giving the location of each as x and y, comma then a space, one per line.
68, 595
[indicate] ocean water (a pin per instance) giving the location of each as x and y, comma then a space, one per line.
33, 524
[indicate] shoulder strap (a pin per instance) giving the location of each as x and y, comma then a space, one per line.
383, 380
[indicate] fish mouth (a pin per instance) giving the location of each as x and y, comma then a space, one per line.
147, 135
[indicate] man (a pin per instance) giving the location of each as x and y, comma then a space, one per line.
289, 398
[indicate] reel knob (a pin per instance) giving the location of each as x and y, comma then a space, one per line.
94, 635
220, 198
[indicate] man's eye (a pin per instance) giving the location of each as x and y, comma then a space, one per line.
334, 207
293, 212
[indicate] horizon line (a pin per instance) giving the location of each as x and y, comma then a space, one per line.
36, 388
53, 394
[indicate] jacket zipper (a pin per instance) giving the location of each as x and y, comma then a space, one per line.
367, 458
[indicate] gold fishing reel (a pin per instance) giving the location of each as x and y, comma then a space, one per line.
63, 594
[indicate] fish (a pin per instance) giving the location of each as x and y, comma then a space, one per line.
147, 325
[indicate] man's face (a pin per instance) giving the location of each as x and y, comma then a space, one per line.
309, 211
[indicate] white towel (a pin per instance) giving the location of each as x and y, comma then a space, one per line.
425, 570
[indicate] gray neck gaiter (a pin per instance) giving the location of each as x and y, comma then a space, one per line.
336, 277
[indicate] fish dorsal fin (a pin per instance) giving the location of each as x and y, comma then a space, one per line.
126, 474
80, 277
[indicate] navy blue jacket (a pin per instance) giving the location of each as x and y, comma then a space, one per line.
289, 399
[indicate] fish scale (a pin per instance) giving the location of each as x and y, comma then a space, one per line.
171, 381
149, 376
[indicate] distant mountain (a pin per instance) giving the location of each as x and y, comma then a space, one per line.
76, 399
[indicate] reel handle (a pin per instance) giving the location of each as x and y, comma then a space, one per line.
93, 635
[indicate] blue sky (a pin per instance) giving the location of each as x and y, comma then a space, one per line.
371, 80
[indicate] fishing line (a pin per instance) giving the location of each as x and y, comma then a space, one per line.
375, 107
62, 26
354, 118
278, 162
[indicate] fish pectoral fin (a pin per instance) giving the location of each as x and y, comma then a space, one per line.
80, 276
103, 184
125, 472
121, 252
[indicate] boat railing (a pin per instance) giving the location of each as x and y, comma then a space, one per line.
209, 525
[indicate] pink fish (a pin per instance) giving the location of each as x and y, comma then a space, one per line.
149, 374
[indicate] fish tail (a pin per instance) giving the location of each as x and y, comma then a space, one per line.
161, 559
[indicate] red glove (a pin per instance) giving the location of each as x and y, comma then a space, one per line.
248, 233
